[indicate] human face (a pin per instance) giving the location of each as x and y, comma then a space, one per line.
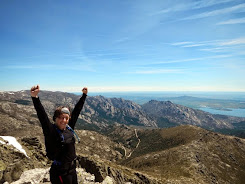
62, 121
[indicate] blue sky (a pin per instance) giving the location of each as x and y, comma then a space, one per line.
123, 45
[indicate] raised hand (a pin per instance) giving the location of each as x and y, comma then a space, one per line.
35, 90
85, 90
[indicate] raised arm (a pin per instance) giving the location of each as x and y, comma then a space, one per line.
42, 115
77, 109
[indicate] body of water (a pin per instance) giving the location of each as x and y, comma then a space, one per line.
231, 112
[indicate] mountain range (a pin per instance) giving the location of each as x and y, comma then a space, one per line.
100, 112
157, 142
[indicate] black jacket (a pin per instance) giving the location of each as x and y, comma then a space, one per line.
62, 151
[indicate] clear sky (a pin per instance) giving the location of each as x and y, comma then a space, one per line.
122, 45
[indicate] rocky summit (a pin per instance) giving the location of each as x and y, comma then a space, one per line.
123, 142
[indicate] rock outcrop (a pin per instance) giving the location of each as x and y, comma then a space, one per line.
102, 168
41, 176
13, 162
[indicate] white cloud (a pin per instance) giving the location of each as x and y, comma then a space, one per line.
70, 66
232, 21
136, 88
195, 45
172, 9
181, 43
159, 71
237, 41
191, 59
215, 49
215, 45
237, 8
191, 6
208, 3
154, 88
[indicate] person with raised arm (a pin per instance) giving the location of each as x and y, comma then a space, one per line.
60, 138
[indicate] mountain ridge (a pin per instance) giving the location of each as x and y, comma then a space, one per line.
101, 111
205, 155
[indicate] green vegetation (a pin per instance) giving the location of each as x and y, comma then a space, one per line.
238, 131
165, 123
162, 139
23, 102
190, 154
83, 125
240, 125
155, 143
232, 132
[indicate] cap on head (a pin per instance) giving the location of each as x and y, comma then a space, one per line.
61, 110
65, 110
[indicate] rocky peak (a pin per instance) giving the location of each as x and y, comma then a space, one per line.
179, 114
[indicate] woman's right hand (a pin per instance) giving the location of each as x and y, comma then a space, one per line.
35, 90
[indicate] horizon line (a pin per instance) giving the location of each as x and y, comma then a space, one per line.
129, 91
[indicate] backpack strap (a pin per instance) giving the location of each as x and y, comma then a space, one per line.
61, 134
69, 128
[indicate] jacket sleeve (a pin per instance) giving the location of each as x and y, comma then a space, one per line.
42, 116
76, 111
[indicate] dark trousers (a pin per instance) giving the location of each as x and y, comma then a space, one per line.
59, 176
